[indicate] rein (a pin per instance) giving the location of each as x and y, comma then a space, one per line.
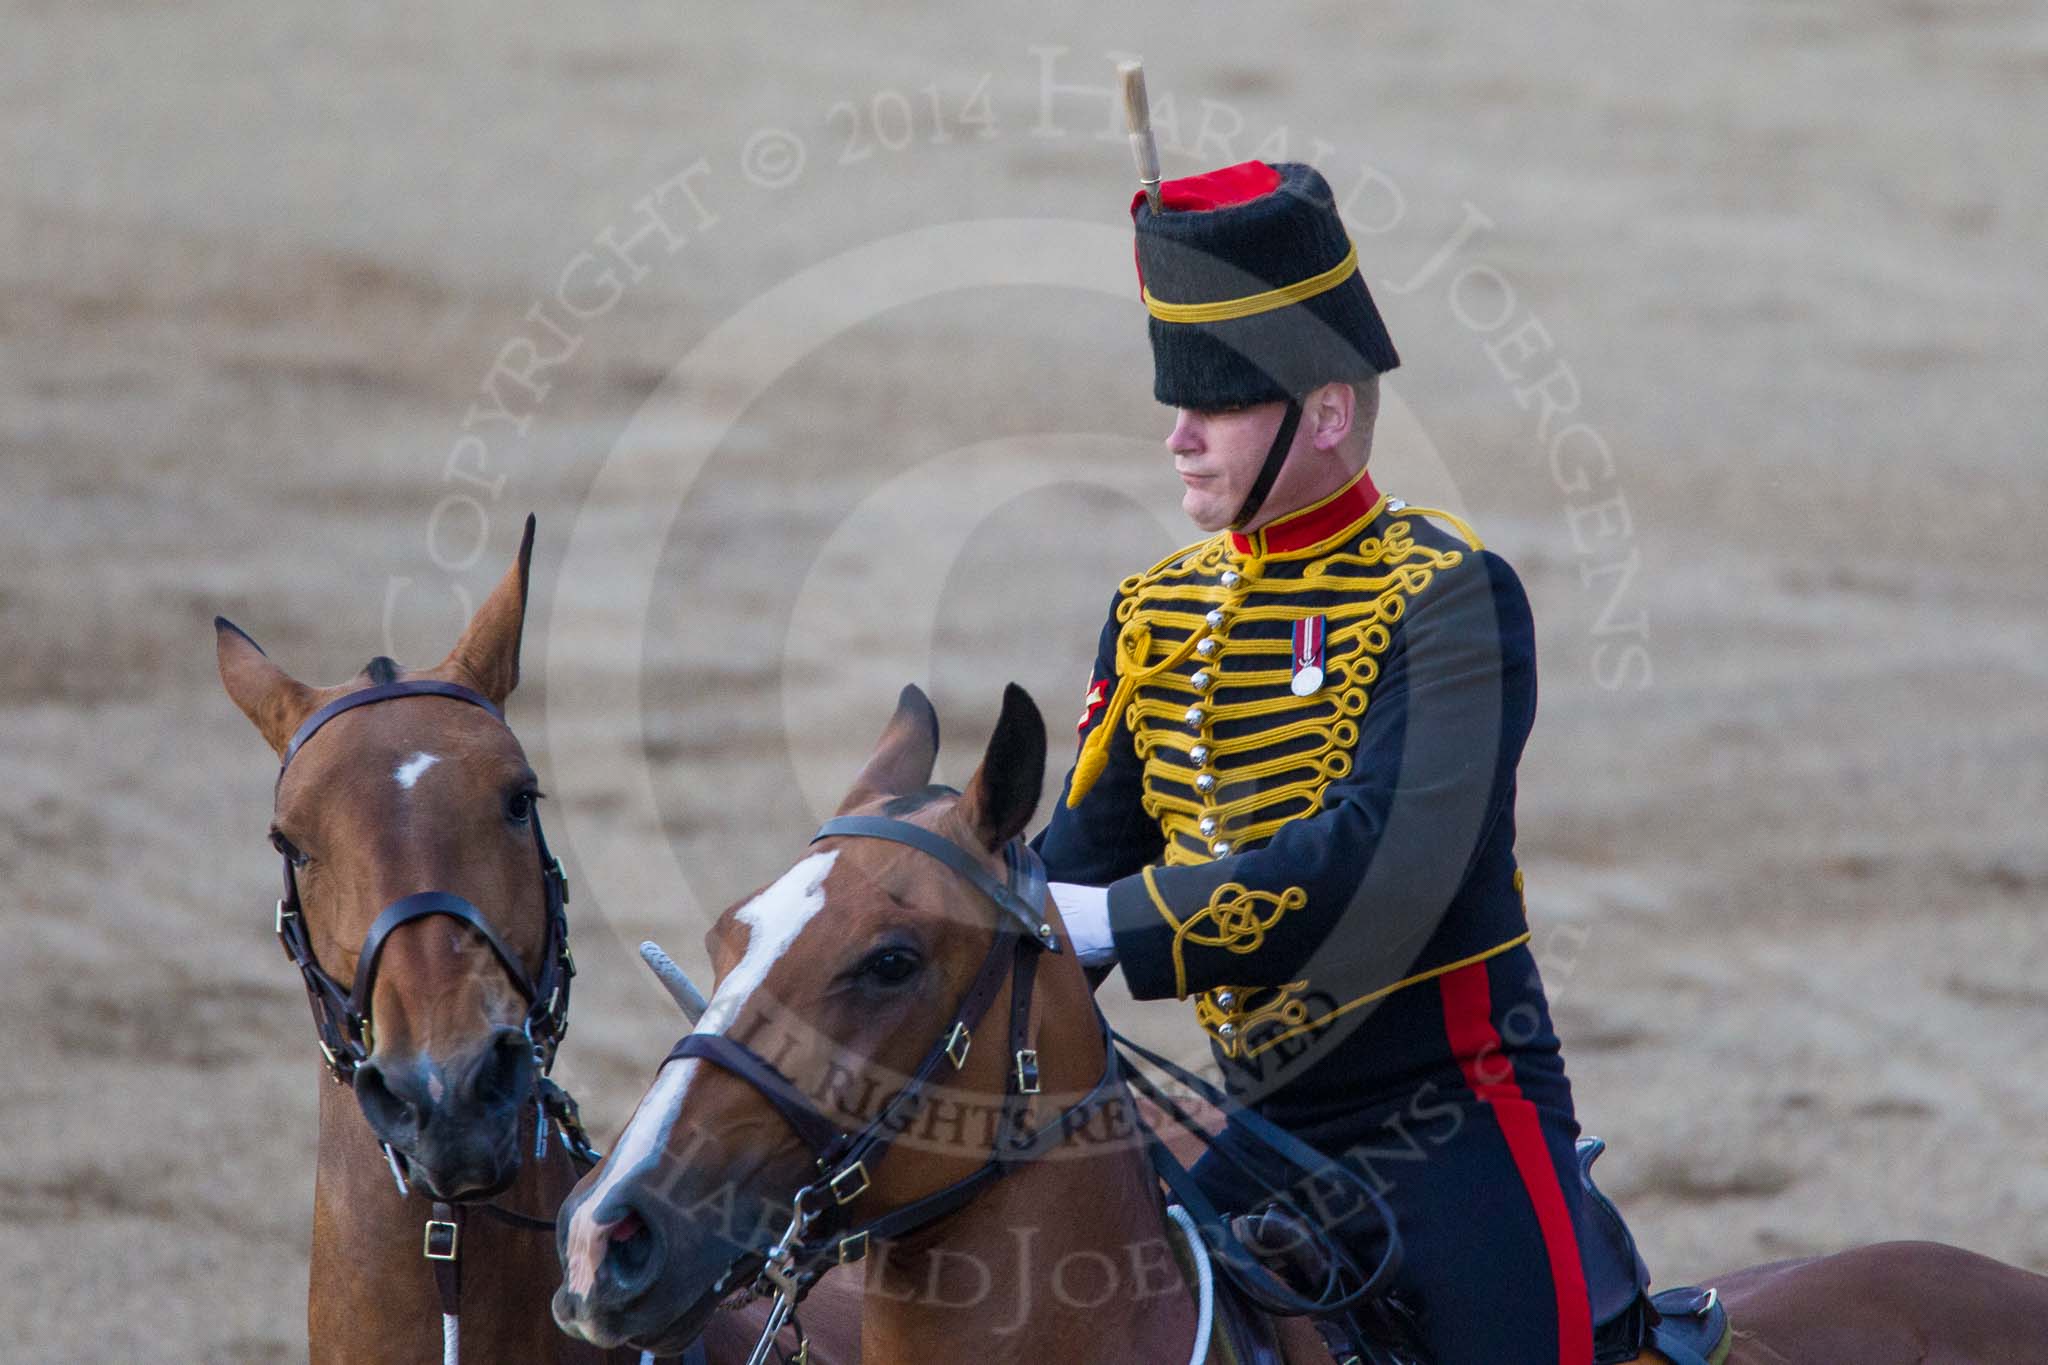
822, 1232
347, 1037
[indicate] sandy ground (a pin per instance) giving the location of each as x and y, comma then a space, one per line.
878, 409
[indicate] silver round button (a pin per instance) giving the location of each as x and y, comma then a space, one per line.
1221, 848
1206, 648
1215, 618
1225, 1000
1208, 825
1230, 578
1199, 754
1194, 715
1200, 682
1205, 783
1226, 1030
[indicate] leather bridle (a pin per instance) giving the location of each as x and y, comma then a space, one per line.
822, 1231
341, 1016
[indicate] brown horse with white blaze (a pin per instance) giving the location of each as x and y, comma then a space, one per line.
834, 980
849, 966
406, 812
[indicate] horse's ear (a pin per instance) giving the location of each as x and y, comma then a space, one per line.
488, 652
903, 757
272, 699
1003, 793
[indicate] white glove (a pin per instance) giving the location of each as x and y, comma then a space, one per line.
1085, 912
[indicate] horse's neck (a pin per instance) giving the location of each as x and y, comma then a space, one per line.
1065, 1260
373, 1294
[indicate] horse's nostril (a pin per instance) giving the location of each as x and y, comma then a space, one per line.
389, 1115
506, 1067
630, 1256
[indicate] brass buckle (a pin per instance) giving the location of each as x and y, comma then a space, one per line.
957, 1043
853, 1248
1027, 1072
443, 1240
857, 1171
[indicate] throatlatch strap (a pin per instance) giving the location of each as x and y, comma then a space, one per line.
1276, 455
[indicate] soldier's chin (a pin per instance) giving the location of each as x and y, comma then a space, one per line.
1204, 506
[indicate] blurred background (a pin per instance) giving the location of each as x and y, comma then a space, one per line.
810, 335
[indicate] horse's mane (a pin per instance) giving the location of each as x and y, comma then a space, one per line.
381, 671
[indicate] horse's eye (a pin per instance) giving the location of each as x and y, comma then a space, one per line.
289, 849
519, 807
890, 966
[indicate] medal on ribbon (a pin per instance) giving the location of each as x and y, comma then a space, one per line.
1309, 635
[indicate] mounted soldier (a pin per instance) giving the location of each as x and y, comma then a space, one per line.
1294, 797
1294, 803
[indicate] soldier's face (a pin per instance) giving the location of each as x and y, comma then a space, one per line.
1217, 453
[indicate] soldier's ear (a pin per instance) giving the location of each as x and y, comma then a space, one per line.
487, 655
1331, 413
272, 699
1003, 793
903, 757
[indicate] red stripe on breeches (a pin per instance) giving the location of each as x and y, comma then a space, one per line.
1468, 1024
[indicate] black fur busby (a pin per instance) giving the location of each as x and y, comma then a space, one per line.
1253, 288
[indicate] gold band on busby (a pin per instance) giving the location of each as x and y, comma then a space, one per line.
1253, 288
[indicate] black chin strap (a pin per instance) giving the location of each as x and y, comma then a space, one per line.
1276, 455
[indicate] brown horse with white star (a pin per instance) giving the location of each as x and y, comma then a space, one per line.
431, 791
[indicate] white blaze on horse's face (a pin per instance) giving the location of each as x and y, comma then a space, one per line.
408, 772
774, 920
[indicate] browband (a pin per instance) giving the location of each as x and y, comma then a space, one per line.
418, 687
1022, 898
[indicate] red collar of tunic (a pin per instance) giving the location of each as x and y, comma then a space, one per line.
1318, 521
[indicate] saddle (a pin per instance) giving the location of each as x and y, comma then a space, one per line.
1687, 1326
1376, 1332
1684, 1326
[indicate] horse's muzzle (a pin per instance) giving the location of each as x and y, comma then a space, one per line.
456, 1124
637, 1270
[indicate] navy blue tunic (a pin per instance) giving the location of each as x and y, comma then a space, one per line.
1297, 780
